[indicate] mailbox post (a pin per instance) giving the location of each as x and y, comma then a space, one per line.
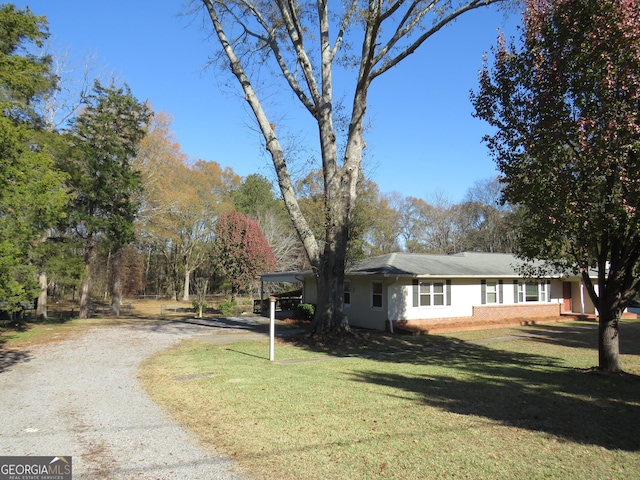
272, 327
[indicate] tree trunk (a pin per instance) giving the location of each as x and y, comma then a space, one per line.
187, 280
116, 285
329, 314
608, 340
85, 300
41, 310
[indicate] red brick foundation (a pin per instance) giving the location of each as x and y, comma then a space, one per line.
484, 317
502, 312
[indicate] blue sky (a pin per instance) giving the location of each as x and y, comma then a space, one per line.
422, 139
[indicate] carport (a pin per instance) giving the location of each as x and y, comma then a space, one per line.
286, 299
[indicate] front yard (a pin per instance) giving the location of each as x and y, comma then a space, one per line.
510, 403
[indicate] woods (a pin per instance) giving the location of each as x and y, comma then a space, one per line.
103, 204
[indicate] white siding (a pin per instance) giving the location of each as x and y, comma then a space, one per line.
397, 301
463, 297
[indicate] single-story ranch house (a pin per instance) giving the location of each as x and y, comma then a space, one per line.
419, 290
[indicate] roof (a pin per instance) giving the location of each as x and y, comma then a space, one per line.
467, 264
459, 265
285, 277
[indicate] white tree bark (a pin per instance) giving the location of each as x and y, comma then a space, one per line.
286, 30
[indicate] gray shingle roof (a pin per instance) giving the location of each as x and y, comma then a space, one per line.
468, 264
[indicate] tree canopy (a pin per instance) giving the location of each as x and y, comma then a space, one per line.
103, 142
566, 107
32, 196
25, 76
241, 251
82, 171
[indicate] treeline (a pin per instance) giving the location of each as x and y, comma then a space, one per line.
99, 202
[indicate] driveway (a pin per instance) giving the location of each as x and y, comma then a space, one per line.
80, 397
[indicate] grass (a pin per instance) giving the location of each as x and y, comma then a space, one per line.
448, 406
63, 321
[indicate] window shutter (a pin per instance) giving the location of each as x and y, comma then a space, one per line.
500, 296
449, 293
515, 291
415, 293
483, 292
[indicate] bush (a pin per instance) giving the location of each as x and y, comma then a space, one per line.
226, 308
232, 309
196, 305
304, 311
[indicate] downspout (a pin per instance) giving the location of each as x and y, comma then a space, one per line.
388, 303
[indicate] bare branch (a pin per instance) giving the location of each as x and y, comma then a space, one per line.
284, 179
404, 29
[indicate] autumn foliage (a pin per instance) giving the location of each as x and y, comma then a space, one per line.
241, 251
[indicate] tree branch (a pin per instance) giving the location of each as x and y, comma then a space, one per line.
404, 29
273, 145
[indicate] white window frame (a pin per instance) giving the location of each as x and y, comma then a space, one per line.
430, 291
491, 288
375, 294
542, 295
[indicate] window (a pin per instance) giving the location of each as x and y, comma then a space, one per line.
438, 294
431, 294
347, 293
425, 294
532, 292
376, 295
492, 292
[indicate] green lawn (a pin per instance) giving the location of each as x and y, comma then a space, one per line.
449, 406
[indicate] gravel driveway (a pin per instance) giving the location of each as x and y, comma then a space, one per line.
81, 397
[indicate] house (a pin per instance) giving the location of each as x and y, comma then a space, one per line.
422, 290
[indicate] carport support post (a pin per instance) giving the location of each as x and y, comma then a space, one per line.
272, 327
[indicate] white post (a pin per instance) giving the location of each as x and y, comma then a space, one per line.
272, 328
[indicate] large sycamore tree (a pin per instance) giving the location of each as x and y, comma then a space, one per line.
566, 106
313, 46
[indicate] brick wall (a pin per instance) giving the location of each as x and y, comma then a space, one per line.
494, 314
502, 312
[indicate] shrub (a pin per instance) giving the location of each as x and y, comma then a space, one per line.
196, 305
232, 309
226, 308
304, 311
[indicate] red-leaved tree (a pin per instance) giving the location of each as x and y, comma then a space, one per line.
241, 250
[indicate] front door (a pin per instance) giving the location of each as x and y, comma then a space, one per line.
566, 296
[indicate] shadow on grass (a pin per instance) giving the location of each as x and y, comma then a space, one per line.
524, 391
13, 356
585, 335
